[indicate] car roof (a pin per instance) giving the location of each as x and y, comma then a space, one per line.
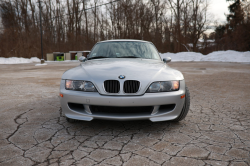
117, 40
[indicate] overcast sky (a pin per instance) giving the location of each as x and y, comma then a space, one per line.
218, 8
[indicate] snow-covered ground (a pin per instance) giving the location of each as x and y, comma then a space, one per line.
63, 61
14, 60
217, 56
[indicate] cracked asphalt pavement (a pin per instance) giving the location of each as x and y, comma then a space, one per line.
33, 130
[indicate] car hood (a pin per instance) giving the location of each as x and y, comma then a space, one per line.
144, 70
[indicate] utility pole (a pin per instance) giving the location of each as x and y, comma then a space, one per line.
41, 31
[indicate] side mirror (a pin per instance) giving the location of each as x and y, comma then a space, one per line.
82, 59
166, 60
86, 53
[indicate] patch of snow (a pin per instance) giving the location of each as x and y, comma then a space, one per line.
35, 59
228, 56
183, 56
217, 56
201, 40
41, 64
211, 41
63, 61
15, 60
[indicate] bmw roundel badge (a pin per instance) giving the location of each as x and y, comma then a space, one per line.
121, 77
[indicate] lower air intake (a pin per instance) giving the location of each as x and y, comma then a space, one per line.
109, 110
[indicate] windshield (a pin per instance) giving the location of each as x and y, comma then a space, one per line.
124, 49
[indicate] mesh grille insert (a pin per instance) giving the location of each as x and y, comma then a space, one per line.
111, 110
131, 86
112, 86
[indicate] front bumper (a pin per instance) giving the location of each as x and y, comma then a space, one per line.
148, 99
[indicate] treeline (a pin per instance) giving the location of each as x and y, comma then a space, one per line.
235, 34
72, 25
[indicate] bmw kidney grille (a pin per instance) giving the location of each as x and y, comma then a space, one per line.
129, 86
112, 86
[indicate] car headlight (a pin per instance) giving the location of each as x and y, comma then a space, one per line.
80, 86
164, 86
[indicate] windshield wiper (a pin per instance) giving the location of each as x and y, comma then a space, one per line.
129, 57
97, 57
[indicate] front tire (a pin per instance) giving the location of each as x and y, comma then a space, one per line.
185, 108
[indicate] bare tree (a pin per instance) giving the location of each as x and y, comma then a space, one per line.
199, 21
79, 24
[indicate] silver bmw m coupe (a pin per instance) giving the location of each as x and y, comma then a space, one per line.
124, 80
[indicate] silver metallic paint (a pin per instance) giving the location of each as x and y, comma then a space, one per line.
148, 99
146, 71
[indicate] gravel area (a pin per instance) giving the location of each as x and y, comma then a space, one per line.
216, 131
